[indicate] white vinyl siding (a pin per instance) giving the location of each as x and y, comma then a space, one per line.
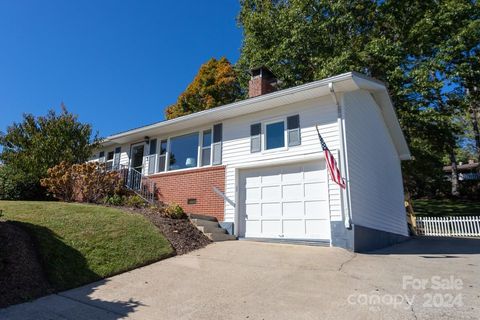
376, 185
236, 144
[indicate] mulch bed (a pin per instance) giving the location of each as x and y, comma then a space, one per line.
21, 275
181, 233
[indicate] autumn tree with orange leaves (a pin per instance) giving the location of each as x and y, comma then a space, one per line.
215, 84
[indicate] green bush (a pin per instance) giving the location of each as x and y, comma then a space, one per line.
115, 200
14, 185
135, 201
174, 211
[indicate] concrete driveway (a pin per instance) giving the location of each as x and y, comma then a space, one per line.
419, 279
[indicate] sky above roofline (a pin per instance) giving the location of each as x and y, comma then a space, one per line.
117, 64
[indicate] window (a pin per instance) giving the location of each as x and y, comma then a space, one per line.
255, 141
162, 156
183, 152
101, 156
293, 130
152, 157
109, 163
217, 144
206, 147
116, 157
153, 146
275, 135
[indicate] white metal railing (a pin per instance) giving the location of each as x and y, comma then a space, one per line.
449, 226
137, 182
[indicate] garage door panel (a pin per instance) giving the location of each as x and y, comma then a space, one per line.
253, 210
285, 202
271, 178
315, 190
292, 175
293, 209
253, 181
271, 210
292, 191
271, 193
317, 209
253, 194
271, 228
294, 228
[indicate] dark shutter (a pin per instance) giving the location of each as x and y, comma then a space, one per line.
293, 130
217, 133
255, 137
293, 122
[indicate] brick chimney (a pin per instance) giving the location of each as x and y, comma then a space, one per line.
263, 81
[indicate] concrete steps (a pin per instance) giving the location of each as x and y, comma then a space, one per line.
215, 237
210, 227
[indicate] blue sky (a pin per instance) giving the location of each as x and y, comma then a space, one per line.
117, 64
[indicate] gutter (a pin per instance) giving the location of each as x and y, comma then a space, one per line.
234, 105
346, 199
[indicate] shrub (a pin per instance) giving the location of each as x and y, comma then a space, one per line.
174, 211
60, 182
86, 182
12, 184
135, 201
115, 200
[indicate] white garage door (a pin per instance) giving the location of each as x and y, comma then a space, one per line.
289, 202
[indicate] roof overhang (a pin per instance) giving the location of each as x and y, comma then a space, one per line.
346, 82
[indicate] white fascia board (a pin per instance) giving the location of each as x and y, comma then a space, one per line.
307, 91
345, 82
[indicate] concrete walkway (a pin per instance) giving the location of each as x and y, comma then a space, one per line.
252, 280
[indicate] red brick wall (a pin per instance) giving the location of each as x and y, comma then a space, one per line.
258, 86
197, 184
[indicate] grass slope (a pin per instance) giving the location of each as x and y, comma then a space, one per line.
80, 243
446, 207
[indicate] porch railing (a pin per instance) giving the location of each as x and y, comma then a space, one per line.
134, 180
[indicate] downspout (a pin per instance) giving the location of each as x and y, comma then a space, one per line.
346, 202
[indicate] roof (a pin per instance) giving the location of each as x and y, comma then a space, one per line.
345, 82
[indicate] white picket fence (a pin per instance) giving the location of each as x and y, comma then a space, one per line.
449, 226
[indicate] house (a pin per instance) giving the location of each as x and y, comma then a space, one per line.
258, 167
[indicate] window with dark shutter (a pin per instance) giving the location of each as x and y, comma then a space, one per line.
101, 156
217, 144
293, 130
255, 140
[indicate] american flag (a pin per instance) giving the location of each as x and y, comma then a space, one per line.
331, 163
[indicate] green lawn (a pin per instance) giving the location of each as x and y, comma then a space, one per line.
80, 243
440, 208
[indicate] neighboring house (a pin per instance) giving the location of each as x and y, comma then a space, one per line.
466, 171
258, 166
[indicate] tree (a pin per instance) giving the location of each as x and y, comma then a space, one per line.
36, 144
404, 43
215, 84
